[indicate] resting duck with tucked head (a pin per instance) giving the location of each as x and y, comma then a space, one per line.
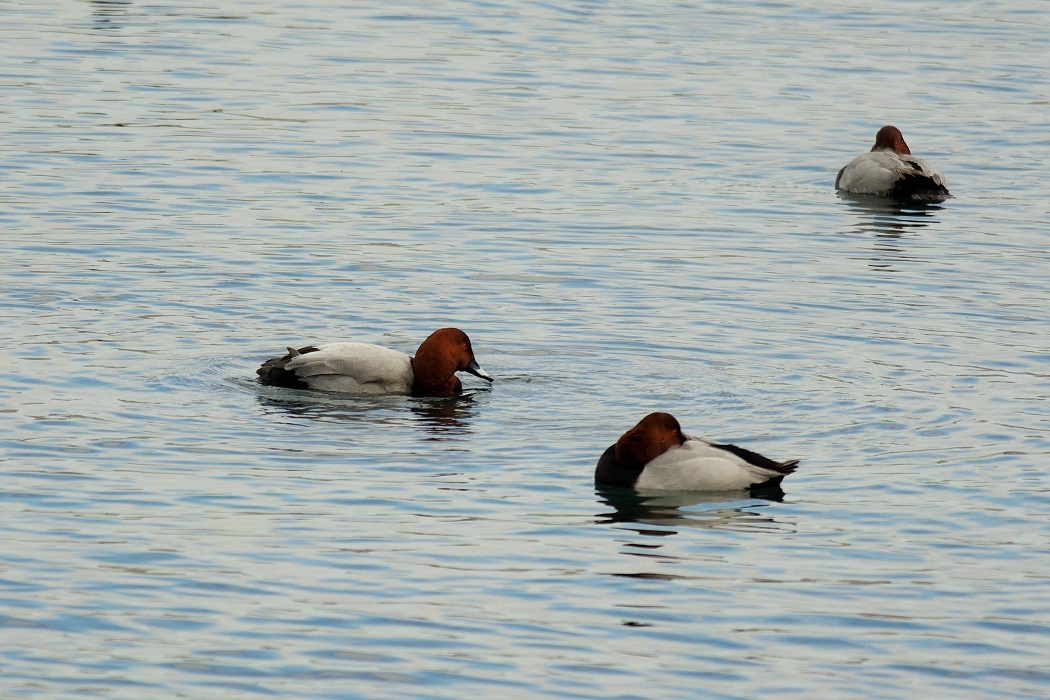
656, 454
363, 368
890, 170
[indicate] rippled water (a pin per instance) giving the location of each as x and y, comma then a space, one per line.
629, 207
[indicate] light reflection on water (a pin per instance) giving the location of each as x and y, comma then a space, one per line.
628, 208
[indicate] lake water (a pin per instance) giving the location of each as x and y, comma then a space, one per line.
629, 207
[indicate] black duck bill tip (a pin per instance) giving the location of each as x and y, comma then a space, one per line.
475, 369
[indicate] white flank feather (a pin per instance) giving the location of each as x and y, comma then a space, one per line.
876, 172
355, 368
697, 465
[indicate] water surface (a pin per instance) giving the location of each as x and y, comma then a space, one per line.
629, 208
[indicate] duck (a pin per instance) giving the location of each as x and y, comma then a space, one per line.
656, 455
890, 170
366, 369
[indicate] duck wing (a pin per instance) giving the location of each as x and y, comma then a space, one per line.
917, 180
698, 465
354, 368
886, 173
874, 172
760, 461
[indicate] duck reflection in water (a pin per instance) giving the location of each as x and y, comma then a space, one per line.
887, 217
442, 418
447, 418
108, 13
891, 222
715, 510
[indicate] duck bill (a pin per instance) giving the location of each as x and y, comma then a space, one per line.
475, 369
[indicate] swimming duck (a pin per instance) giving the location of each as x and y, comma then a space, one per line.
363, 368
890, 170
656, 454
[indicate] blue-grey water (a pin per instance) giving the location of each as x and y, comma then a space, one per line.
629, 207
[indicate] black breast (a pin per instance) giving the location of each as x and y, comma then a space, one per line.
612, 472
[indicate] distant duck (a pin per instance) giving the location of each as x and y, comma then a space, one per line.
363, 368
890, 170
656, 454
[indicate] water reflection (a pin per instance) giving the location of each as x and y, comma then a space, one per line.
889, 218
446, 417
890, 221
663, 510
443, 418
105, 12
